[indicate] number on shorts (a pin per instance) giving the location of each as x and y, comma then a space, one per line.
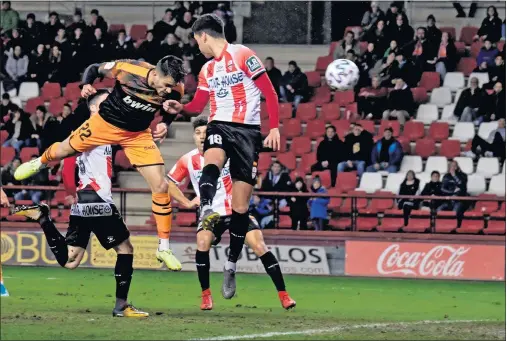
84, 131
215, 139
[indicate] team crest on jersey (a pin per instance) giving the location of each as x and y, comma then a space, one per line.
222, 93
253, 64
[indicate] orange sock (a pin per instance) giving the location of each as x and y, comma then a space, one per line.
50, 154
162, 211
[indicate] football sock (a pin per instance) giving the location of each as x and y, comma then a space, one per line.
208, 184
202, 264
161, 208
50, 154
237, 232
123, 276
56, 241
273, 269
163, 244
230, 266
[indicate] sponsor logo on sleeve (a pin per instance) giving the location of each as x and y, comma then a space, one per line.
253, 64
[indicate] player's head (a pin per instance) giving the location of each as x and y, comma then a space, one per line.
168, 73
94, 100
200, 123
207, 30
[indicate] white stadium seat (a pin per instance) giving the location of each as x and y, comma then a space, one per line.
465, 163
485, 128
28, 90
427, 113
497, 185
454, 80
463, 131
411, 162
488, 166
394, 181
483, 78
476, 184
436, 163
448, 114
371, 182
441, 97
456, 97
17, 101
424, 178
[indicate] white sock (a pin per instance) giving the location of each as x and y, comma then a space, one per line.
230, 266
163, 244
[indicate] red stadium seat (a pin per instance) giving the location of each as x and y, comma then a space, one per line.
122, 161
138, 31
333, 46
430, 80
285, 110
16, 218
321, 96
63, 217
405, 144
467, 65
298, 173
439, 131
392, 221
368, 125
283, 144
363, 46
307, 161
59, 198
486, 207
185, 218
467, 34
32, 104
322, 63
56, 105
330, 112
264, 162
284, 222
450, 148
72, 91
496, 225
315, 129
446, 222
306, 111
340, 224
382, 204
419, 222
4, 135
395, 125
475, 49
450, 30
420, 95
313, 79
352, 107
343, 97
325, 178
287, 159
366, 224
23, 202
7, 155
115, 28
51, 90
301, 145
425, 148
361, 202
139, 42
413, 130
460, 47
472, 223
27, 152
342, 127
292, 127
346, 181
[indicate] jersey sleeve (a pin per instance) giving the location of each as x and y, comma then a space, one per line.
202, 82
123, 70
179, 172
249, 63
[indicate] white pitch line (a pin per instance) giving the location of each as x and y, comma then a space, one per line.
336, 329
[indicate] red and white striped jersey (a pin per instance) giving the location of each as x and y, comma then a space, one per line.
234, 97
95, 169
190, 166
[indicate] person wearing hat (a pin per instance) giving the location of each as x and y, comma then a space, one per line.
386, 154
294, 86
318, 205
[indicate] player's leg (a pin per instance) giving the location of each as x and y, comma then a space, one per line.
202, 263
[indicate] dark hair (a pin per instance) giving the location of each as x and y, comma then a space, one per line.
5, 95
30, 16
41, 108
422, 28
78, 12
149, 31
200, 121
352, 52
210, 24
293, 63
14, 107
92, 100
410, 171
435, 172
332, 127
432, 17
358, 125
270, 58
171, 66
95, 11
495, 14
6, 3
53, 14
122, 31
388, 128
169, 10
68, 105
351, 32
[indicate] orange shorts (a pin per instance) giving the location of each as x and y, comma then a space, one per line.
139, 146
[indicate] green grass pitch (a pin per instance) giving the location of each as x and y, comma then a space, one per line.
57, 304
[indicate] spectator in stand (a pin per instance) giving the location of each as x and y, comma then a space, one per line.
229, 28
378, 36
406, 70
446, 58
40, 124
409, 186
393, 48
17, 67
482, 68
328, 156
16, 39
274, 74
56, 67
357, 151
496, 73
392, 15
493, 107
294, 86
9, 18
432, 188
165, 26
385, 69
487, 54
423, 51
193, 54
367, 63
494, 146
189, 80
277, 180
179, 10
123, 47
19, 130
149, 50
372, 100
32, 31
77, 22
349, 43
491, 27
299, 206
467, 106
100, 47
454, 183
318, 206
6, 107
97, 21
38, 66
262, 209
51, 28
433, 34
372, 16
400, 102
8, 176
401, 31
386, 154
184, 28
78, 50
63, 44
39, 179
171, 47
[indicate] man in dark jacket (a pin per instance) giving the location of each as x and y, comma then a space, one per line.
149, 50
433, 33
386, 154
294, 85
97, 21
6, 107
496, 72
372, 100
454, 183
328, 153
51, 28
494, 146
432, 188
277, 180
123, 47
274, 74
400, 31
357, 151
32, 31
400, 102
423, 50
77, 21
407, 70
469, 101
100, 47
493, 107
165, 26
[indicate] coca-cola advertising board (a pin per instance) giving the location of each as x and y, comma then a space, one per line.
425, 260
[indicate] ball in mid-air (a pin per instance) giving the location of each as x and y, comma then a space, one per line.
342, 74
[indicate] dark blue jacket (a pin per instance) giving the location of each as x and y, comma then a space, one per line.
487, 56
395, 152
318, 206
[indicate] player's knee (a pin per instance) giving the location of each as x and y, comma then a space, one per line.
125, 248
203, 245
161, 187
259, 248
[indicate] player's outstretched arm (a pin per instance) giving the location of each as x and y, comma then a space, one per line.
178, 195
95, 71
193, 108
266, 87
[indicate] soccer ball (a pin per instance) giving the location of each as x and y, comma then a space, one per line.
342, 74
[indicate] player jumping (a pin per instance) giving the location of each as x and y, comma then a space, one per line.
232, 82
94, 212
190, 166
124, 118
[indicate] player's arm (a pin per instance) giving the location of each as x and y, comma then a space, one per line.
198, 103
176, 194
69, 175
4, 201
100, 70
176, 175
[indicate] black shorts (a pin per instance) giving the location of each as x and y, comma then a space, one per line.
225, 223
110, 230
241, 143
